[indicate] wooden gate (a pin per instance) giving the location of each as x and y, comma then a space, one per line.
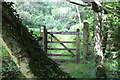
45, 33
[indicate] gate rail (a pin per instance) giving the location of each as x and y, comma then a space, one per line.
44, 33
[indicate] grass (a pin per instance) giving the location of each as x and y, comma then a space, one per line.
88, 68
81, 70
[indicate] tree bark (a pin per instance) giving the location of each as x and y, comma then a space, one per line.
25, 50
100, 73
0, 35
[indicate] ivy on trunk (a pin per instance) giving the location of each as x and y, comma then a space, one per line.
24, 49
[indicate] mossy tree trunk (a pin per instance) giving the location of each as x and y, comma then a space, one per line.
25, 50
100, 72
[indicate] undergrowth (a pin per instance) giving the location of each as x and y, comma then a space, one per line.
81, 70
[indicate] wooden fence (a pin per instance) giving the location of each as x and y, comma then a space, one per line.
44, 34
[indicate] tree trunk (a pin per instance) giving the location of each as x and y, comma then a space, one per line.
100, 73
25, 50
0, 41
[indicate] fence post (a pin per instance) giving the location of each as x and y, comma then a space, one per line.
85, 41
44, 38
77, 46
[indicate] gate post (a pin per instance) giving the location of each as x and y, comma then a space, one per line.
77, 46
85, 41
44, 38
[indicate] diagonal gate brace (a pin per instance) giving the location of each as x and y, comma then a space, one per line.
62, 44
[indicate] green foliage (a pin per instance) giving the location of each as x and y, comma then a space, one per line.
88, 69
9, 69
112, 29
63, 17
112, 68
35, 32
81, 70
60, 15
